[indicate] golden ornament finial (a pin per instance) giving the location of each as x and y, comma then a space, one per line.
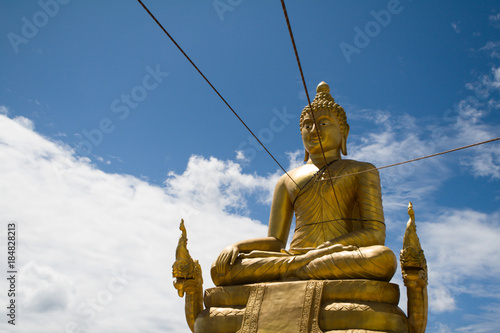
323, 87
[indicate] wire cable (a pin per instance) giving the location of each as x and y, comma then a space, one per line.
317, 132
307, 94
420, 158
216, 91
308, 100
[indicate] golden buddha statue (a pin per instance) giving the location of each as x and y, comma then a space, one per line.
335, 276
340, 230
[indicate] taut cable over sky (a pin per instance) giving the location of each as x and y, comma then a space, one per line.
424, 157
309, 103
210, 84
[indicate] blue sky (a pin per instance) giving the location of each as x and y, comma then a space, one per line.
109, 137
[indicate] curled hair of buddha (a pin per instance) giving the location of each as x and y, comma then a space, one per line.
323, 100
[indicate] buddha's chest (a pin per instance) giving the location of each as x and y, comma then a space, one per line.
329, 183
325, 195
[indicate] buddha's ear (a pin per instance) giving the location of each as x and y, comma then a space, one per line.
343, 144
306, 156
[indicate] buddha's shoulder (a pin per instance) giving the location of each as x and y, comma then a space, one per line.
356, 166
303, 173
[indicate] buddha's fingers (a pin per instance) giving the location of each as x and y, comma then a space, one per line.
221, 264
234, 255
350, 248
339, 248
301, 250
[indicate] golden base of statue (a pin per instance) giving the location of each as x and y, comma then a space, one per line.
303, 306
309, 306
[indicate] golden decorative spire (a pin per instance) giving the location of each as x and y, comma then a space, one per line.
184, 264
412, 255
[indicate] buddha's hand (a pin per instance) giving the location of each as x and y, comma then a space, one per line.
228, 255
322, 251
337, 247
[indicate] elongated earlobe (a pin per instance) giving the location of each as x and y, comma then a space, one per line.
343, 144
306, 157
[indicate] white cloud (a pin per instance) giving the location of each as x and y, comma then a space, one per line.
240, 156
43, 289
403, 138
24, 122
78, 226
399, 139
219, 185
296, 159
456, 27
486, 163
461, 248
486, 84
483, 161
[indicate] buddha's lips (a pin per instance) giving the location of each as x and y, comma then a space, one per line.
313, 136
315, 140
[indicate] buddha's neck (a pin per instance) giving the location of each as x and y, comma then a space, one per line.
319, 160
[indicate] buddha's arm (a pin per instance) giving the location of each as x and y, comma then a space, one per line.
279, 227
230, 253
281, 215
371, 214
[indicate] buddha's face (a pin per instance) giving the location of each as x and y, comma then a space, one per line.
328, 129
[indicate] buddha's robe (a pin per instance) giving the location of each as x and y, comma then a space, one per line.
347, 213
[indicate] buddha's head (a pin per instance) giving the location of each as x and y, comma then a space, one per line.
331, 122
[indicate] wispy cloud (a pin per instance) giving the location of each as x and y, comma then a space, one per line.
494, 20
463, 245
460, 245
486, 322
4, 110
493, 48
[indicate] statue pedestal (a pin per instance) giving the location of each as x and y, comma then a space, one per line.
329, 306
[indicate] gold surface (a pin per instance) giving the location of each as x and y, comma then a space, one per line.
305, 306
188, 279
340, 230
333, 290
334, 277
414, 270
